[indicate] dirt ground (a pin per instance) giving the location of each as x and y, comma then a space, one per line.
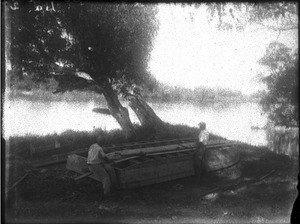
51, 195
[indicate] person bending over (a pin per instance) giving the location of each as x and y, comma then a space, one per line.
97, 164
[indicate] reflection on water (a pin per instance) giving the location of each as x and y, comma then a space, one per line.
40, 118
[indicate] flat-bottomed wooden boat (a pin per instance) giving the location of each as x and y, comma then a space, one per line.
140, 167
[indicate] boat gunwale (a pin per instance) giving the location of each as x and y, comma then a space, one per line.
152, 158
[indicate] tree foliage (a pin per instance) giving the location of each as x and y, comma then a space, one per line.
35, 39
278, 16
106, 41
109, 41
281, 99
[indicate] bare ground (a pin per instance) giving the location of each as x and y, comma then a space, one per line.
52, 196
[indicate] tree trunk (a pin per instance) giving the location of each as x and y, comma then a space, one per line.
119, 112
145, 113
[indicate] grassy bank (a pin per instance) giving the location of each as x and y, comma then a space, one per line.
71, 140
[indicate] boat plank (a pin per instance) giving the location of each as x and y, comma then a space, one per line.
135, 161
155, 171
156, 180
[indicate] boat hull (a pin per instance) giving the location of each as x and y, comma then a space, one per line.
158, 167
155, 170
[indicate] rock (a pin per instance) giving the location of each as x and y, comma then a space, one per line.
225, 212
241, 189
230, 192
103, 207
212, 196
109, 208
43, 171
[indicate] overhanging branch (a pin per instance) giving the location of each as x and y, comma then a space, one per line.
276, 28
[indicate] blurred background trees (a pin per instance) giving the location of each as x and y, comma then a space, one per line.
280, 100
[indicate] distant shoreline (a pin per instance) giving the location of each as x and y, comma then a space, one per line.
80, 96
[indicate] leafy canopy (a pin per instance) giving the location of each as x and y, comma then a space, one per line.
106, 41
278, 16
281, 100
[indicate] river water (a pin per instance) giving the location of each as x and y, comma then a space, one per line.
22, 117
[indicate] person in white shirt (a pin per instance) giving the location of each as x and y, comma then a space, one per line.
203, 138
203, 135
97, 164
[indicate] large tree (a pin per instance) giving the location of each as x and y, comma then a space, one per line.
99, 45
281, 99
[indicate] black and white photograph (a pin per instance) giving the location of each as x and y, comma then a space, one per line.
149, 112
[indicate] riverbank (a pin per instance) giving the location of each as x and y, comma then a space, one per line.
52, 196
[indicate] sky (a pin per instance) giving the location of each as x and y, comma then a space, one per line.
194, 53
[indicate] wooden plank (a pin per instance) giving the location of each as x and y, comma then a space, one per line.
166, 170
125, 159
157, 169
131, 166
93, 176
267, 175
151, 142
15, 184
50, 163
159, 156
162, 153
215, 146
182, 145
137, 174
169, 155
83, 176
135, 161
157, 180
151, 149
